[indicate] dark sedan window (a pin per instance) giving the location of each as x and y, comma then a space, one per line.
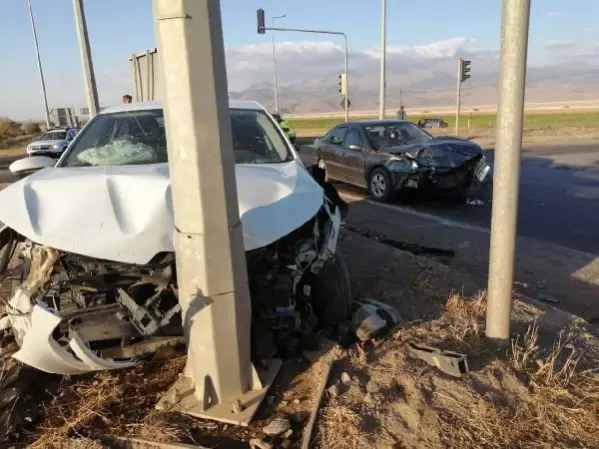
354, 138
336, 136
395, 134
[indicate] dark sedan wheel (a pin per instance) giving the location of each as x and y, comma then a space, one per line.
379, 185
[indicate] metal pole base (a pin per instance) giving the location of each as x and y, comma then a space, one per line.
181, 397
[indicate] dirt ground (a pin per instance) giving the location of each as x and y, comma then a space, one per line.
541, 391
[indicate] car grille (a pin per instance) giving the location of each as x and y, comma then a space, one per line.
40, 147
452, 179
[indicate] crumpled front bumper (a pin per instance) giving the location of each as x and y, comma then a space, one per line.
34, 326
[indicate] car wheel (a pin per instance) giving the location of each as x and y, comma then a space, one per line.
331, 293
379, 185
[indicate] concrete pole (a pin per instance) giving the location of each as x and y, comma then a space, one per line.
39, 67
89, 79
383, 52
221, 382
274, 63
458, 98
510, 115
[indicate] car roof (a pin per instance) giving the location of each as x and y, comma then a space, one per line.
148, 105
378, 122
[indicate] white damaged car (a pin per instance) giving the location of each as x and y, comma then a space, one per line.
86, 243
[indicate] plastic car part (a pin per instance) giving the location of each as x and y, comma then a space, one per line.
40, 350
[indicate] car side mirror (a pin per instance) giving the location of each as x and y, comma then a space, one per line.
354, 147
24, 167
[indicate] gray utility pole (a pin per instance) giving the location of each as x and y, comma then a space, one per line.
510, 116
458, 97
220, 381
346, 58
39, 66
89, 78
274, 63
383, 52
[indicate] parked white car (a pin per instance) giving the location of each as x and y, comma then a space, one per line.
52, 143
94, 237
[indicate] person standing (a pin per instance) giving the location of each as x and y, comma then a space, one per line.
401, 114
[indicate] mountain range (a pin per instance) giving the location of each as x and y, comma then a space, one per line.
417, 82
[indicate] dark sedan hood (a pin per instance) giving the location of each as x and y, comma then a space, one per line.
446, 152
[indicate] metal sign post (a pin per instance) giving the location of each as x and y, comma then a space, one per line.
39, 67
510, 116
220, 381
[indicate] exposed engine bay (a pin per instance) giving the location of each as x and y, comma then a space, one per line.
73, 314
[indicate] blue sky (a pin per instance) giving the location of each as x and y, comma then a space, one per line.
118, 28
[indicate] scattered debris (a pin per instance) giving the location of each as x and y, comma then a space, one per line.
334, 390
307, 437
448, 362
413, 248
546, 297
368, 322
474, 202
287, 435
139, 443
277, 427
296, 402
257, 443
346, 379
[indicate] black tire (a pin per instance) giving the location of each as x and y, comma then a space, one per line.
379, 185
331, 293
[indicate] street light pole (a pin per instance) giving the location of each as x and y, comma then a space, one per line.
383, 52
510, 116
220, 381
274, 63
89, 79
39, 66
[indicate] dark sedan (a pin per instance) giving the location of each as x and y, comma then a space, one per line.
389, 156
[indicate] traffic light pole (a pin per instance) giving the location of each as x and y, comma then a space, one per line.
345, 60
220, 381
510, 116
458, 98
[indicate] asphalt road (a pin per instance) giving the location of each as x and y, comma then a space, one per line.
559, 197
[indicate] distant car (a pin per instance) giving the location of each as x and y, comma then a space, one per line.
388, 156
52, 143
432, 123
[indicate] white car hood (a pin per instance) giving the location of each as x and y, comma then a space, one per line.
125, 213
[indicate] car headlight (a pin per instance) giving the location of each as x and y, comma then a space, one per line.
56, 146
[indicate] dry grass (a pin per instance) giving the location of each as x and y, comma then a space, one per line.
112, 402
560, 410
341, 428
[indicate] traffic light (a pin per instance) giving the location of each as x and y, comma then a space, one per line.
342, 84
464, 70
261, 27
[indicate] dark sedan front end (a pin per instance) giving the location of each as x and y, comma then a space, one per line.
439, 166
